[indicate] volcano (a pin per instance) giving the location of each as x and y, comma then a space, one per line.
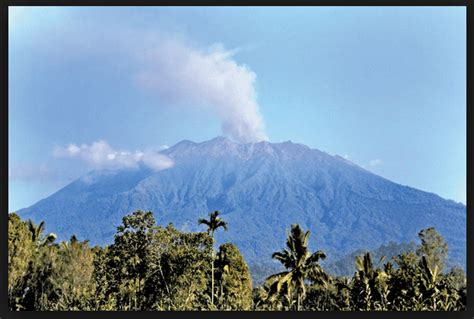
261, 189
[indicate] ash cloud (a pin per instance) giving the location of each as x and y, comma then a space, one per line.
208, 78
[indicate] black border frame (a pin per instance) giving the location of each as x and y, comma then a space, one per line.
5, 313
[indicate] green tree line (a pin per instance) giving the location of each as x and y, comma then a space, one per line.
153, 267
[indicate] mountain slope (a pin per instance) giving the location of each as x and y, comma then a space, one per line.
261, 189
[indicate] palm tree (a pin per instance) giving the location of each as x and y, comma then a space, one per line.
300, 265
213, 223
370, 284
429, 282
37, 234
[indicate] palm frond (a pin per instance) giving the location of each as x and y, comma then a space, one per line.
316, 256
280, 256
285, 280
221, 223
278, 275
205, 222
49, 239
40, 228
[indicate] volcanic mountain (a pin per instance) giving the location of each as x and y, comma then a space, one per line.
261, 189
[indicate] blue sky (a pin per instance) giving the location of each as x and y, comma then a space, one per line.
383, 86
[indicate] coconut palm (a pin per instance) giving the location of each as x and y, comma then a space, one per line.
300, 265
213, 223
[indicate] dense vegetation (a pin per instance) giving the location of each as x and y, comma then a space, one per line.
151, 267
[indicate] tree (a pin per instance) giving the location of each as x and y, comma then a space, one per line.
331, 294
74, 275
233, 279
178, 271
103, 299
370, 287
37, 234
434, 248
213, 223
39, 290
127, 259
300, 264
21, 250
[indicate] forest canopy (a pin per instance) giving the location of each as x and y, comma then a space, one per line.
155, 267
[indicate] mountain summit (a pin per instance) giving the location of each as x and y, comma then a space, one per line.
261, 189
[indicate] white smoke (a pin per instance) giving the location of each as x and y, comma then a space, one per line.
101, 155
210, 78
169, 64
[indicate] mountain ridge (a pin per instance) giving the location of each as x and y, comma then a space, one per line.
260, 188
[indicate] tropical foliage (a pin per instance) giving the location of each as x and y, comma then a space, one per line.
153, 267
301, 265
213, 223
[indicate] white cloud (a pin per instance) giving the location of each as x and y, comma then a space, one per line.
205, 78
375, 162
101, 155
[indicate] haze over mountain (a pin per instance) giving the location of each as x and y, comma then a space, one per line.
261, 189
